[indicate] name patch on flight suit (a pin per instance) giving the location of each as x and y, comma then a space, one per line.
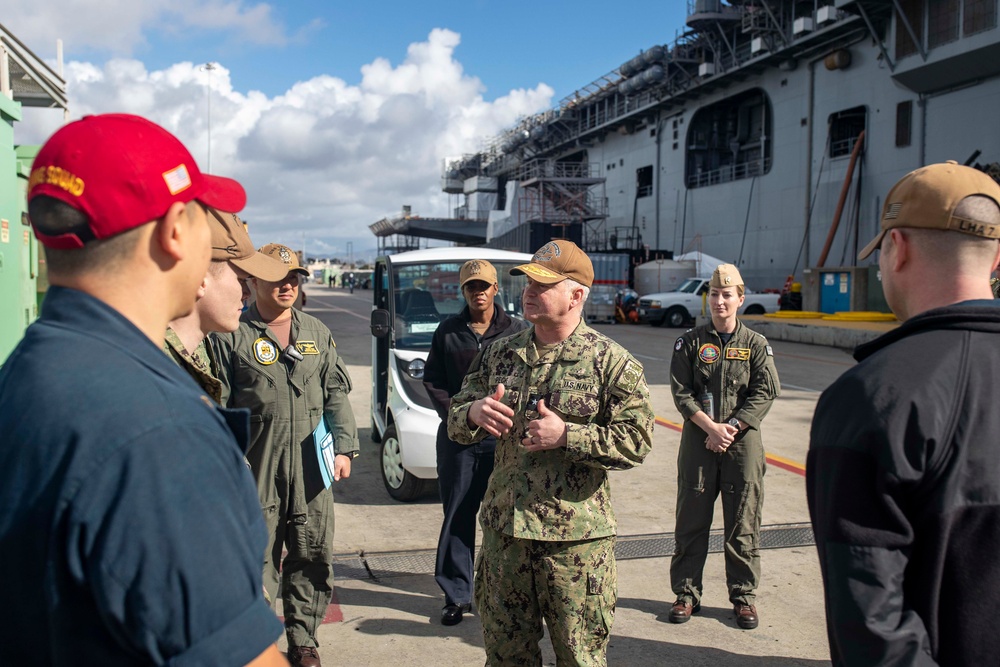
709, 353
265, 351
307, 347
738, 353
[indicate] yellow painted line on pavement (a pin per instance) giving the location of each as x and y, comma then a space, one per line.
773, 459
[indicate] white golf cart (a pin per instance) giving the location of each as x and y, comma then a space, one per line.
413, 293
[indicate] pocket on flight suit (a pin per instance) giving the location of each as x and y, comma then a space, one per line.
313, 532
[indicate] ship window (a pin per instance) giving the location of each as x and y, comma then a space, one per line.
904, 123
979, 15
729, 140
942, 22
913, 10
845, 126
644, 181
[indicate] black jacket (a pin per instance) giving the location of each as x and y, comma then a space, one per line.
903, 482
454, 347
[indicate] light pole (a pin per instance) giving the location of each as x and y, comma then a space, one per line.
209, 67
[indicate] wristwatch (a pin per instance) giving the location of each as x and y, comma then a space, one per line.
735, 423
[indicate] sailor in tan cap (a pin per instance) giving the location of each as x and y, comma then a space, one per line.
902, 477
463, 471
566, 405
724, 381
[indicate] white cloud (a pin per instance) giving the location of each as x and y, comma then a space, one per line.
324, 158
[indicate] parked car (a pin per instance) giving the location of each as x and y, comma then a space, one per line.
679, 308
414, 292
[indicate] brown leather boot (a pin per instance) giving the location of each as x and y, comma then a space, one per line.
682, 610
303, 656
746, 615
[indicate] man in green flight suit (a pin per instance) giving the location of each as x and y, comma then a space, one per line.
566, 405
723, 380
283, 365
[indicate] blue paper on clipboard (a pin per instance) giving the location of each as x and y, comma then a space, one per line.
323, 440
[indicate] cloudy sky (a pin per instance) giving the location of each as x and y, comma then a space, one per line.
332, 114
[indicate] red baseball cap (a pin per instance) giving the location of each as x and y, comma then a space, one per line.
121, 171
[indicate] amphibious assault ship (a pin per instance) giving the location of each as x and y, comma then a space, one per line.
767, 133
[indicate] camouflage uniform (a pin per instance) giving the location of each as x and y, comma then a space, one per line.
995, 286
196, 363
548, 524
742, 378
287, 398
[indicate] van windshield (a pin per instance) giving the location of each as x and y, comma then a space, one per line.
424, 295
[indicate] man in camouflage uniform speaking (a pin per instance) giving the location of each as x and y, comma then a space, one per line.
566, 405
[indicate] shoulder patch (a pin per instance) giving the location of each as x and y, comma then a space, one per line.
770, 352
679, 344
265, 351
629, 378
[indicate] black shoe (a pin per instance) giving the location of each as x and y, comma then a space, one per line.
682, 610
452, 613
746, 615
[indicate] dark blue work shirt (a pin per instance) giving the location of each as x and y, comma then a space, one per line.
130, 531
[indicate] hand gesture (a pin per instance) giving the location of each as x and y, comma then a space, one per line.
546, 432
490, 414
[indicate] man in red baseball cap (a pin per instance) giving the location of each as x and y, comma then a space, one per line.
138, 533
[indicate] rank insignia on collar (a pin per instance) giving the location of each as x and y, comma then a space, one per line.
307, 347
265, 351
738, 353
709, 353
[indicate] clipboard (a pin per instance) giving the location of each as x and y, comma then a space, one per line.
323, 440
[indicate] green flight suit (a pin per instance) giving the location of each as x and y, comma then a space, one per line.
287, 398
743, 381
548, 524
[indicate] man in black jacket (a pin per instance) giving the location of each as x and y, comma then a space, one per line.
902, 476
463, 470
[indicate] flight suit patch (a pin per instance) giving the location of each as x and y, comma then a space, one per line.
770, 353
307, 347
679, 344
738, 353
709, 353
265, 351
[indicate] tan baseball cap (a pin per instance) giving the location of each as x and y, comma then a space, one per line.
477, 269
555, 262
230, 242
926, 199
726, 275
286, 256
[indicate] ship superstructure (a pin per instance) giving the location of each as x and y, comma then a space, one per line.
761, 126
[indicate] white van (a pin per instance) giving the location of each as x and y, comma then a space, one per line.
413, 293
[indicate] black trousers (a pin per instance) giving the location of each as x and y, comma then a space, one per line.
463, 472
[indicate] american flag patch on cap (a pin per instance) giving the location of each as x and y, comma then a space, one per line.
892, 211
177, 179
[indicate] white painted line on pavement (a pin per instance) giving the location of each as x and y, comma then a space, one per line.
798, 388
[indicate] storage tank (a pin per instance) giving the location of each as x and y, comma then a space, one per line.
662, 275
